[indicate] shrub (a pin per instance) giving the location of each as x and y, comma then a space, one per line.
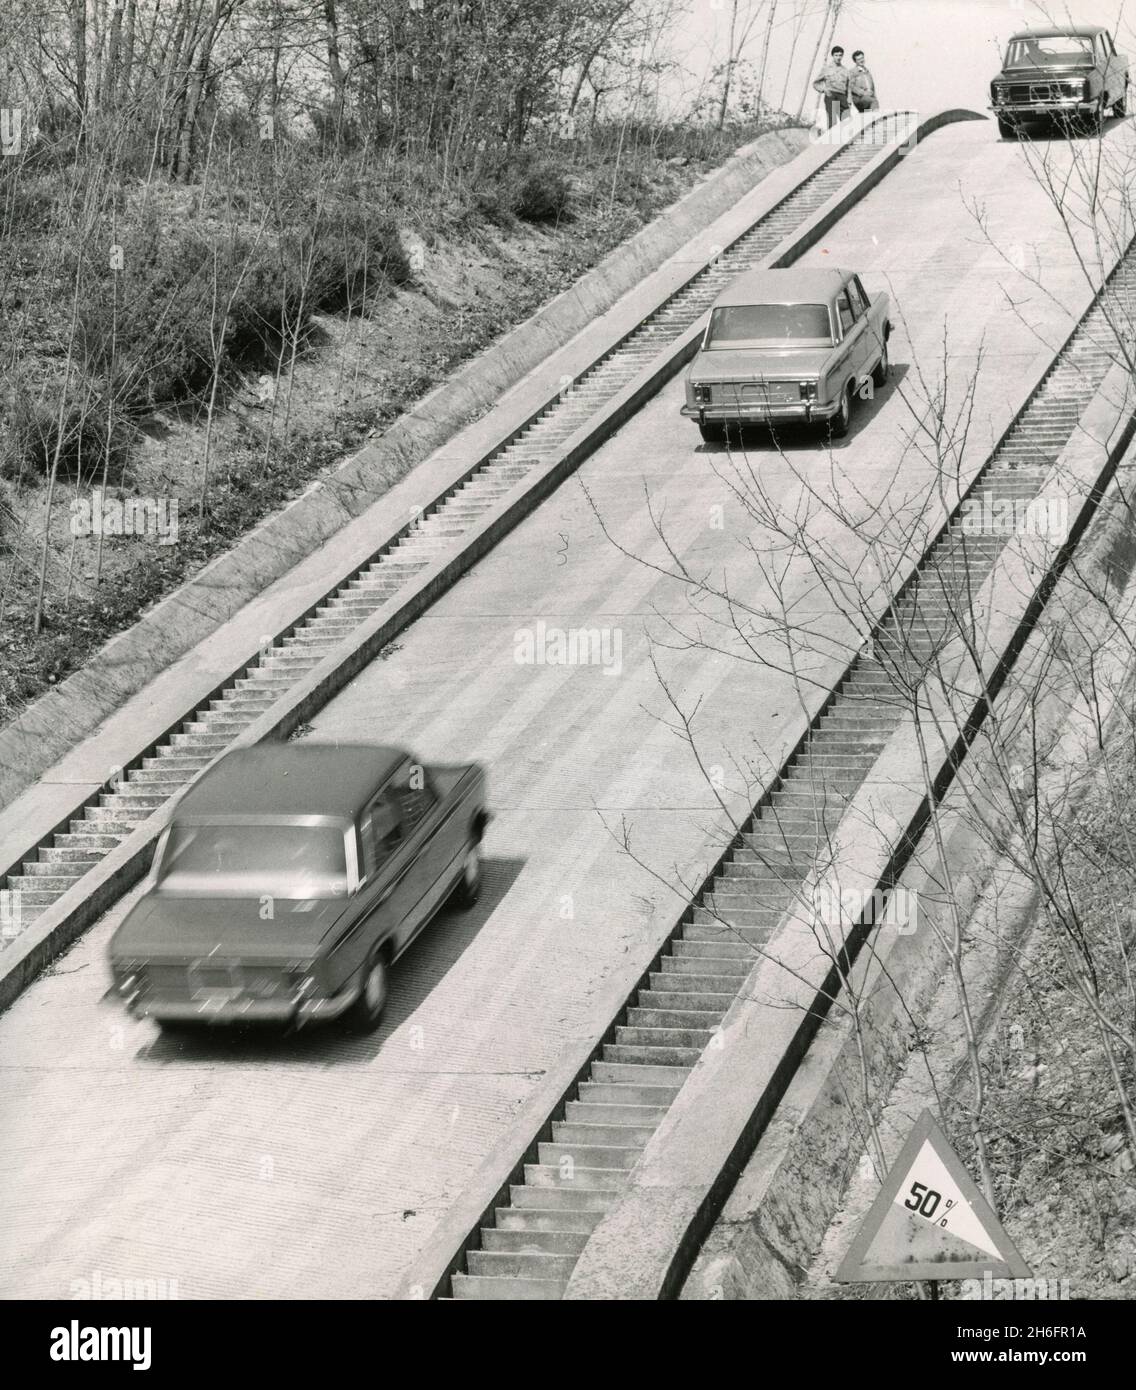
154, 334
145, 328
542, 194
36, 425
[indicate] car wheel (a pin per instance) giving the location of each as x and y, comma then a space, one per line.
843, 417
880, 375
467, 890
1007, 129
712, 434
367, 1011
1120, 107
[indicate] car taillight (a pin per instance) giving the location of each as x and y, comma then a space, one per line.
702, 394
808, 390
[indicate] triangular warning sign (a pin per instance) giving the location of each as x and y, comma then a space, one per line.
930, 1221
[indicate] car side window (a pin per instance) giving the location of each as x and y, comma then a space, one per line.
858, 288
413, 795
856, 299
379, 833
844, 309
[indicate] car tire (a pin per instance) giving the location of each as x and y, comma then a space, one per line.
842, 420
1120, 106
883, 367
366, 1013
712, 434
1007, 129
467, 890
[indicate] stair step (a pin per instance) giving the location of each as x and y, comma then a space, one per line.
668, 981
672, 999
470, 1288
592, 1200
634, 1116
629, 1093
641, 1073
594, 1133
590, 1155
652, 1056
703, 967
595, 1179
674, 1018
511, 1265
533, 1242
545, 1219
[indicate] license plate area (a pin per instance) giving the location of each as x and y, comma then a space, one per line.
766, 393
213, 984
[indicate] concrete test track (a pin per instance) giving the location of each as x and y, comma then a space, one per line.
326, 1166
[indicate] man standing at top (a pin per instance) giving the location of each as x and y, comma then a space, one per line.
862, 85
833, 84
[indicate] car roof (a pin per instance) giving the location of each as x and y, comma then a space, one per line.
303, 779
1059, 31
796, 285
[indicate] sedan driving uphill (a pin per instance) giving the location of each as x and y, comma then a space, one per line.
289, 880
785, 346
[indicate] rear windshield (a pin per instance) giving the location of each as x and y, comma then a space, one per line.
750, 325
1040, 53
283, 861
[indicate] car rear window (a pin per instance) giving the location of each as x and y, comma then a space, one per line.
282, 861
1037, 53
742, 325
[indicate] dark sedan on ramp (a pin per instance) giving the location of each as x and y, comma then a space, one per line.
291, 877
1069, 72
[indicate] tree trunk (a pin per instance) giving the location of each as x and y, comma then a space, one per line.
125, 68
113, 58
197, 71
79, 43
335, 69
729, 67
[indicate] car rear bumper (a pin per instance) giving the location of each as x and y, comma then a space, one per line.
1065, 106
804, 412
242, 1009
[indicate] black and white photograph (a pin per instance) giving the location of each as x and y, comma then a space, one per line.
567, 670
